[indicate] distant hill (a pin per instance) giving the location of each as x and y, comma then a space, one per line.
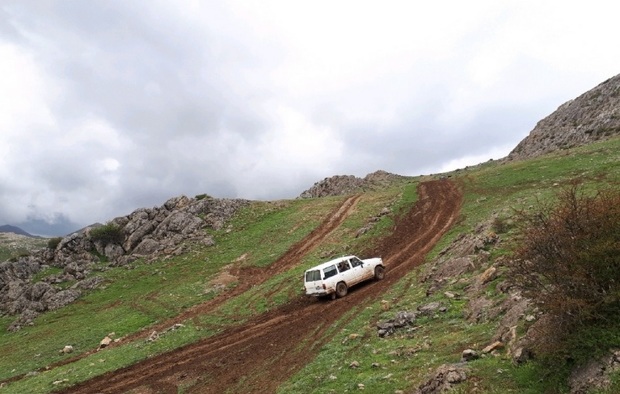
7, 228
593, 116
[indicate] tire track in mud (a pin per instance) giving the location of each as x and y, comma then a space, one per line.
258, 355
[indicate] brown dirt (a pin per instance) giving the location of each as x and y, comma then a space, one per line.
257, 356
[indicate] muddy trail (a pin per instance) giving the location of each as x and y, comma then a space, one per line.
260, 354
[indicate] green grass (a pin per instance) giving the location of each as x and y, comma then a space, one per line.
388, 364
135, 297
406, 361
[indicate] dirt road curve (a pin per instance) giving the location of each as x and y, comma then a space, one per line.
257, 356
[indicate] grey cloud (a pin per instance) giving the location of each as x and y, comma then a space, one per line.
60, 227
149, 76
179, 103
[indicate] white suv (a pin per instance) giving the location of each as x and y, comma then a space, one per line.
336, 276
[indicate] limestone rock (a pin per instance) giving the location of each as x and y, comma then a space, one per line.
339, 185
593, 116
469, 355
443, 379
150, 232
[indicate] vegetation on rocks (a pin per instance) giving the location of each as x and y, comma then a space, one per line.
107, 233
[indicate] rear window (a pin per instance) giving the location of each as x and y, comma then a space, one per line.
312, 276
330, 271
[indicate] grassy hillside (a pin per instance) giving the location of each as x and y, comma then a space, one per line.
138, 297
13, 245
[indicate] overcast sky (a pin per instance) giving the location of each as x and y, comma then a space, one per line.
109, 106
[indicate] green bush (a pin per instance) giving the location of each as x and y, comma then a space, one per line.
501, 225
106, 234
52, 243
568, 264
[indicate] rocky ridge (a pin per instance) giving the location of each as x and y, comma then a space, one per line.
147, 233
593, 116
348, 184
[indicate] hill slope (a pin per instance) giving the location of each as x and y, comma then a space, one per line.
7, 228
14, 245
231, 314
590, 117
273, 339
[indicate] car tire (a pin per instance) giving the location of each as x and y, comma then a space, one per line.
379, 272
341, 289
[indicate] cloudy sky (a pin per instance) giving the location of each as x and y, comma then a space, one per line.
107, 106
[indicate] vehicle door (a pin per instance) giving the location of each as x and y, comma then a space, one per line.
313, 282
358, 271
345, 272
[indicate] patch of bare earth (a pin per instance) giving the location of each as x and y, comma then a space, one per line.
257, 356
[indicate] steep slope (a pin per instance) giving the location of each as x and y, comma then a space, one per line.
593, 116
260, 354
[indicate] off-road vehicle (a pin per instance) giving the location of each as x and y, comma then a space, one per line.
334, 277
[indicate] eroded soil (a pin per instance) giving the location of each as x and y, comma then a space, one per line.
256, 356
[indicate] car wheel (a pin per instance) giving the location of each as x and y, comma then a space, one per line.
379, 272
341, 289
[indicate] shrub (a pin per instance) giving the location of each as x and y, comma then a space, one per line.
501, 225
568, 264
52, 243
106, 234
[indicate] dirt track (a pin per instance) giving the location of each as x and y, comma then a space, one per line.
257, 356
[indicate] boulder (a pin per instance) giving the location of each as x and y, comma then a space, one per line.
26, 318
469, 355
113, 251
63, 298
443, 379
38, 290
401, 319
147, 246
431, 308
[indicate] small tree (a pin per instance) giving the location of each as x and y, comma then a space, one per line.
108, 233
568, 264
52, 243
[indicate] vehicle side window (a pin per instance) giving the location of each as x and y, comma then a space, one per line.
355, 261
330, 271
343, 266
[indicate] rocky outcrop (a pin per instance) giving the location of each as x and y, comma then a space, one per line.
145, 233
593, 116
348, 184
443, 379
595, 375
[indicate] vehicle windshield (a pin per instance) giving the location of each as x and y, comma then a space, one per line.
312, 276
